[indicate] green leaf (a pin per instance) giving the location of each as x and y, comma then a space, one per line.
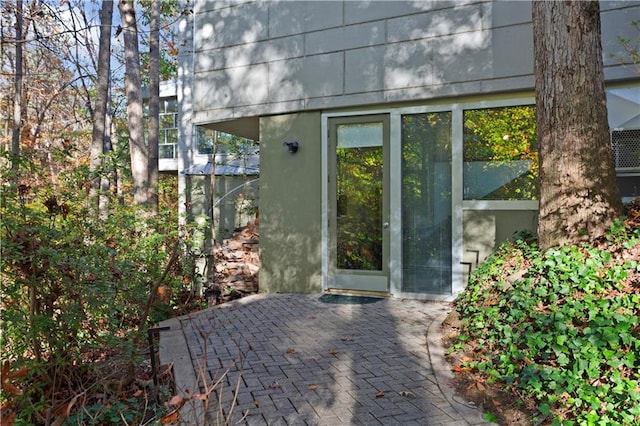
544, 409
490, 417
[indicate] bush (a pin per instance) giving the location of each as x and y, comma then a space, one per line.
560, 328
75, 290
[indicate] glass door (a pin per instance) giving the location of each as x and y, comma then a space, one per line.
426, 145
358, 203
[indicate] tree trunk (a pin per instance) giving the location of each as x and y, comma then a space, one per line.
100, 108
133, 88
579, 196
154, 104
17, 100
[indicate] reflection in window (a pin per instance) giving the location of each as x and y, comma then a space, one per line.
426, 203
500, 154
223, 143
359, 185
205, 140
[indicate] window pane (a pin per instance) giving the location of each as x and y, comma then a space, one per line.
167, 121
359, 181
426, 203
166, 151
233, 144
205, 141
500, 154
171, 136
171, 105
359, 135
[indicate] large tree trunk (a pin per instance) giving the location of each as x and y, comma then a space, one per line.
17, 100
133, 88
100, 108
579, 197
154, 104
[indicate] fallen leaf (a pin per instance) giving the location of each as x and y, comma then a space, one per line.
200, 396
169, 418
333, 352
480, 386
312, 387
256, 403
380, 394
177, 400
137, 393
291, 351
7, 419
8, 376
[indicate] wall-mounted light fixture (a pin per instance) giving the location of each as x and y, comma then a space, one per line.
293, 146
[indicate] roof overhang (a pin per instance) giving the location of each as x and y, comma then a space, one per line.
248, 127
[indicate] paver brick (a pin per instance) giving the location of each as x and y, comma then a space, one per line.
301, 361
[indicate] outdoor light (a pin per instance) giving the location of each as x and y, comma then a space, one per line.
293, 146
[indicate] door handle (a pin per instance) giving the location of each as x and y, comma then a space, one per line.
385, 225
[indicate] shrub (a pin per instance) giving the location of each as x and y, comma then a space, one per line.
75, 289
561, 328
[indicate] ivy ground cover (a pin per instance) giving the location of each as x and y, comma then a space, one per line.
559, 329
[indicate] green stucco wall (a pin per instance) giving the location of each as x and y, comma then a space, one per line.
484, 230
290, 204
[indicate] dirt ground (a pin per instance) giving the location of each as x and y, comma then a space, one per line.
504, 408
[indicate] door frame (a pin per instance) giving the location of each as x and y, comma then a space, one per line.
344, 280
458, 205
395, 197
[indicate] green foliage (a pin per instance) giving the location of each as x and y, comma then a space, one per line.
359, 208
74, 287
562, 327
502, 138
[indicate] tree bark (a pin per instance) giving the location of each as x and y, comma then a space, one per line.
100, 108
579, 196
154, 105
17, 100
133, 88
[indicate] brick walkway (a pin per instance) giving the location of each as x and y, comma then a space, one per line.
300, 359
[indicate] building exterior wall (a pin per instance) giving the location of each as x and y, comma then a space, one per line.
290, 204
484, 230
283, 64
255, 58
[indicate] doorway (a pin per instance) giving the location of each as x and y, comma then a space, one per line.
358, 203
389, 203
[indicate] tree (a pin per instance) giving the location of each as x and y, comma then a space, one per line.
133, 89
49, 103
17, 100
101, 103
579, 197
154, 104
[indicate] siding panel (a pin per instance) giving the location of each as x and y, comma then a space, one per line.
245, 23
345, 38
296, 17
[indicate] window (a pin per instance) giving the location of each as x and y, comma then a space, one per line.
205, 139
225, 143
168, 135
500, 154
626, 149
